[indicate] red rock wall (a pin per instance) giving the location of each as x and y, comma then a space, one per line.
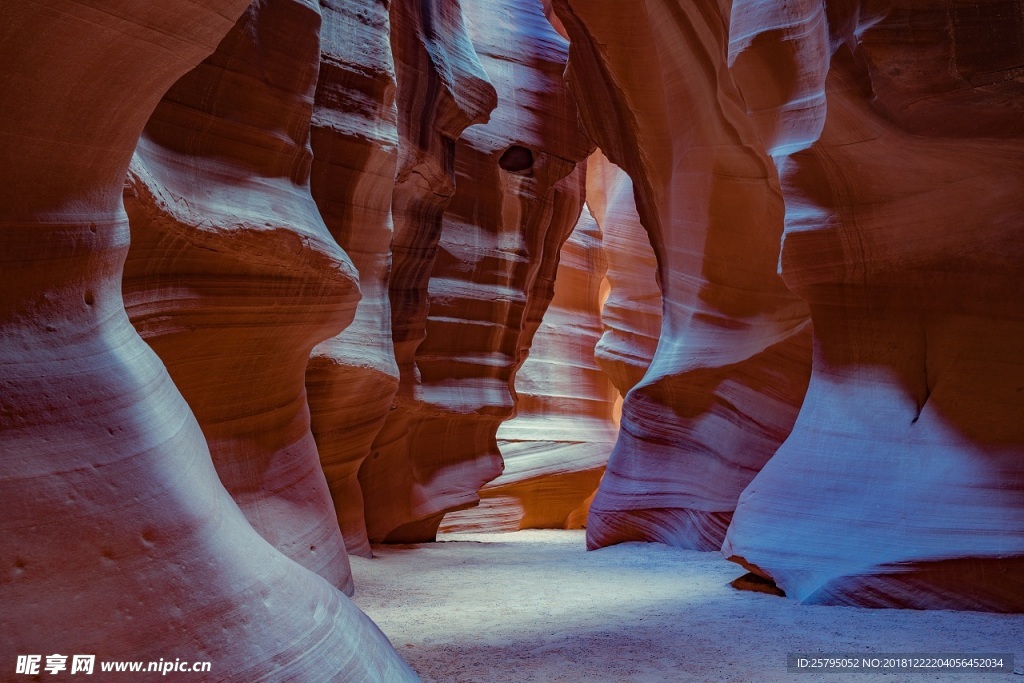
631, 314
352, 377
118, 537
889, 134
901, 484
442, 89
730, 370
470, 285
855, 166
556, 446
232, 277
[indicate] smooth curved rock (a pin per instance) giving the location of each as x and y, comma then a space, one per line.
901, 484
632, 311
732, 364
470, 290
232, 277
442, 89
556, 446
352, 378
119, 539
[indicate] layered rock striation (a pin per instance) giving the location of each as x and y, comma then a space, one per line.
851, 166
232, 276
901, 484
442, 89
631, 315
471, 280
352, 377
897, 484
732, 363
114, 517
557, 444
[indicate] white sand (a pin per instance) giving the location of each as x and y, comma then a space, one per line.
534, 606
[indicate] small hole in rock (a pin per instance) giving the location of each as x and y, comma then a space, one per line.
516, 159
89, 299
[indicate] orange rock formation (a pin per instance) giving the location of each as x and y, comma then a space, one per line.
118, 537
901, 484
732, 363
885, 131
232, 277
470, 285
556, 446
632, 311
352, 377
794, 192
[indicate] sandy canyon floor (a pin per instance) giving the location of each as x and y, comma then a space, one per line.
534, 606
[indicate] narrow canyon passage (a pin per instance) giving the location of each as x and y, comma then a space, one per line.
532, 606
291, 289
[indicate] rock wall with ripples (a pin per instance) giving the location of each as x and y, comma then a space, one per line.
475, 262
868, 153
631, 314
273, 273
232, 277
725, 383
119, 538
901, 484
352, 377
556, 446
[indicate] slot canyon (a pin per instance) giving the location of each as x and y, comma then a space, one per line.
500, 341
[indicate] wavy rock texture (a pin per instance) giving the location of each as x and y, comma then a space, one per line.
471, 289
556, 446
352, 378
232, 277
731, 368
632, 311
113, 518
442, 89
901, 484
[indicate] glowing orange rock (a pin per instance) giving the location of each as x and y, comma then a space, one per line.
556, 446
469, 287
732, 363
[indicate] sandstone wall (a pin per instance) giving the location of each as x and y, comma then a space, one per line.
886, 132
352, 377
232, 276
556, 446
442, 89
119, 538
631, 314
731, 367
901, 482
472, 279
